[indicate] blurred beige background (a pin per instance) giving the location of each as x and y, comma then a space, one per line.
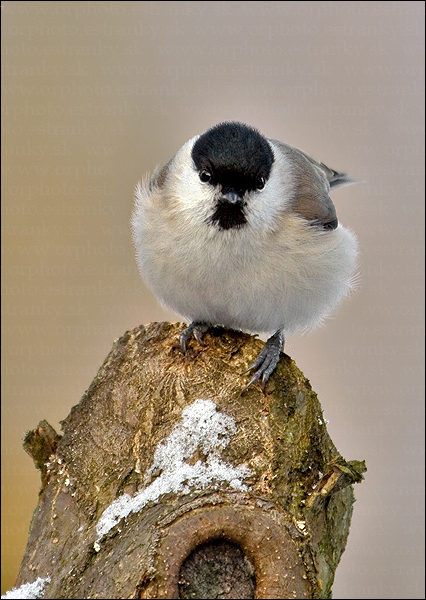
96, 94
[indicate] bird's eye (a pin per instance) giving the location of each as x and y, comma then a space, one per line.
260, 183
205, 175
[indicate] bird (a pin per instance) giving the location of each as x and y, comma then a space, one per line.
238, 230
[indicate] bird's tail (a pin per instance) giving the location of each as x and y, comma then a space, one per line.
336, 179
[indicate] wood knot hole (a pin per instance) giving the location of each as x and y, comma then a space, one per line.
217, 569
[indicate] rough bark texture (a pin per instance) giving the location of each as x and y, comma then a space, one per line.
281, 536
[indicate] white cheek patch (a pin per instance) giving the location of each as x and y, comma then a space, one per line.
264, 206
192, 197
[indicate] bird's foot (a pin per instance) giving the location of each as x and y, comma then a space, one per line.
197, 329
268, 358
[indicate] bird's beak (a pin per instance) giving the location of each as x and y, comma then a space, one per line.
232, 197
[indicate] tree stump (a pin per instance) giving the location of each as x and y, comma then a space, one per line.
173, 481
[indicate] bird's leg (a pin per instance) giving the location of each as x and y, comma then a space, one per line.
268, 358
197, 329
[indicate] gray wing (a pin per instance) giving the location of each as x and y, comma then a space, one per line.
313, 183
159, 175
334, 178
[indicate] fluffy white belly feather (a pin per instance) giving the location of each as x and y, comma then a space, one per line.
287, 279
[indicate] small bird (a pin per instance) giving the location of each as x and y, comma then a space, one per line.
238, 230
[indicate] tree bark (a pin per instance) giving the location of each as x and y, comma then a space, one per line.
172, 481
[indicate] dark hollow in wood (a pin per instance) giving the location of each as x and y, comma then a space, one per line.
218, 569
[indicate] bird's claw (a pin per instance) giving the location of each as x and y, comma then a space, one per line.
197, 329
267, 360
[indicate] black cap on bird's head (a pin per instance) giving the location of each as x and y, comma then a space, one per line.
235, 156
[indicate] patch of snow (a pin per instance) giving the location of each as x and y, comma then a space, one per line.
28, 590
202, 427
